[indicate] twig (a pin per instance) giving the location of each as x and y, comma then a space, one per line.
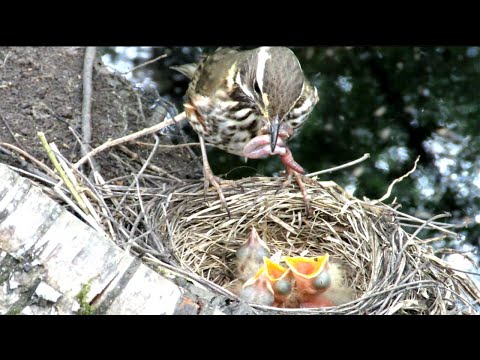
144, 64
430, 225
351, 163
62, 174
144, 132
389, 191
69, 172
155, 168
141, 143
137, 176
5, 58
5, 61
36, 175
31, 158
87, 94
88, 218
101, 201
91, 162
11, 132
87, 98
140, 216
424, 225
30, 170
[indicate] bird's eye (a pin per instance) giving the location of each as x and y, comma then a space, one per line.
256, 87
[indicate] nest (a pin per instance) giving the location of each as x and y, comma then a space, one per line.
390, 269
171, 223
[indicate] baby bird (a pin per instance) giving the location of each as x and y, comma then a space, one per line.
258, 290
250, 255
280, 279
318, 283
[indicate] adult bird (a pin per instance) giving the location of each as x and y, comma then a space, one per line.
249, 103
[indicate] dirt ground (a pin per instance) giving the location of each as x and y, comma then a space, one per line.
41, 90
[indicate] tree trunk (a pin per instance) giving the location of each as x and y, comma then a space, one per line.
53, 263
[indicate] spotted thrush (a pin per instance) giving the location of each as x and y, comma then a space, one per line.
249, 103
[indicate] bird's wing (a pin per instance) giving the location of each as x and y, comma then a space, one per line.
186, 69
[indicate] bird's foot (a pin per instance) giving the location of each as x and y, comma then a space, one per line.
212, 179
301, 185
215, 181
295, 170
306, 197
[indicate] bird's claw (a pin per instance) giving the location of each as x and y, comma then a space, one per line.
215, 182
301, 185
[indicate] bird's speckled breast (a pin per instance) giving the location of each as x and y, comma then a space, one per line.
228, 124
232, 134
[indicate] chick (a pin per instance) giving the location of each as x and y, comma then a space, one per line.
281, 281
258, 290
318, 283
250, 255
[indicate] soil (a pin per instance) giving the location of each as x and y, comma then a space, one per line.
41, 90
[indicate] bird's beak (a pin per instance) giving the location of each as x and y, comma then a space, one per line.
258, 290
274, 131
274, 271
309, 273
279, 278
255, 278
307, 268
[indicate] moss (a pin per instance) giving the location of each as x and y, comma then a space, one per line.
85, 307
14, 310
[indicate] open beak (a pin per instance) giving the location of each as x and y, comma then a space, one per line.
274, 130
258, 289
305, 267
278, 277
311, 274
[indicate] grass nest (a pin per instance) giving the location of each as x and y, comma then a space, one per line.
388, 258
391, 270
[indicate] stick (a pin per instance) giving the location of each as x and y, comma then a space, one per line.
389, 191
351, 163
144, 132
31, 158
145, 64
11, 132
62, 174
69, 172
87, 99
141, 143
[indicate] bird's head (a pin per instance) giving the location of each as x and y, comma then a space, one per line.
278, 277
273, 80
254, 248
258, 289
311, 274
250, 255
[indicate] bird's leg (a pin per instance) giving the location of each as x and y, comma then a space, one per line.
293, 168
259, 147
301, 185
210, 178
